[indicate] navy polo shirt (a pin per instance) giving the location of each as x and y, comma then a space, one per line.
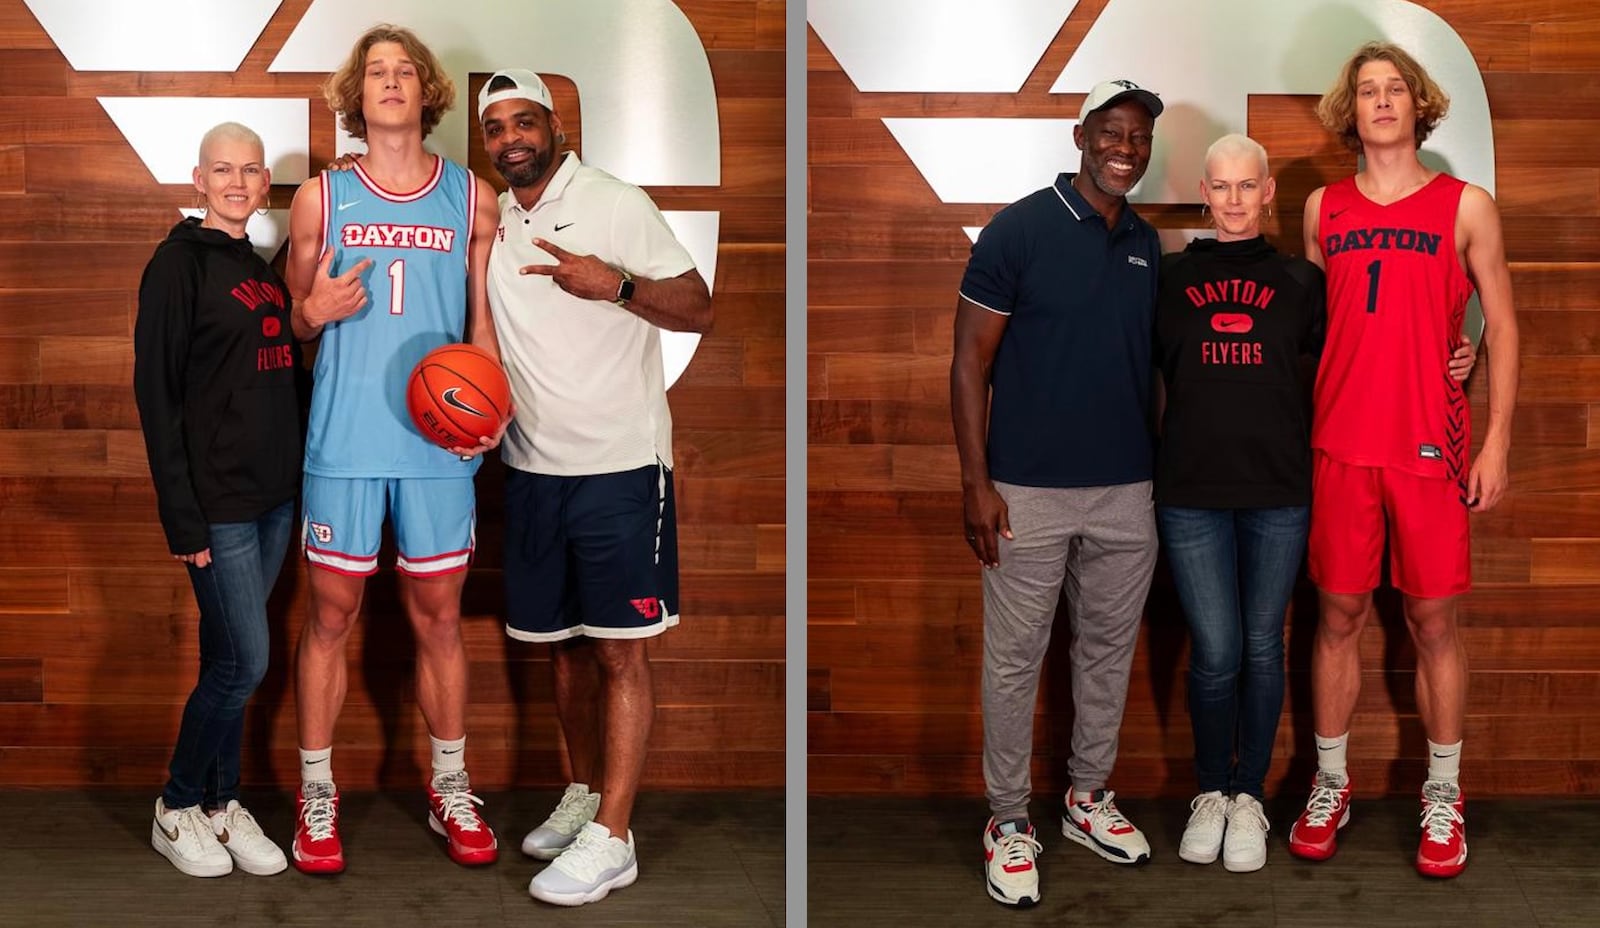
1071, 379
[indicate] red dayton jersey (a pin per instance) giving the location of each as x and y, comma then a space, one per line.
1397, 294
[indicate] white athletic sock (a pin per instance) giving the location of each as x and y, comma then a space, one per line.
448, 756
1444, 762
1330, 755
316, 766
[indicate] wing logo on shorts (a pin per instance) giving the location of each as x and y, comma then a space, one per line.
322, 533
450, 398
649, 607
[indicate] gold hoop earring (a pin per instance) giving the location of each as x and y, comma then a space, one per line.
1205, 214
200, 203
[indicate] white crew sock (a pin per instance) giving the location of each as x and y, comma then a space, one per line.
1330, 755
1444, 762
448, 756
316, 766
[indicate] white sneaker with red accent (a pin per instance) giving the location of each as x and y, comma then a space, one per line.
1099, 826
1008, 855
1443, 851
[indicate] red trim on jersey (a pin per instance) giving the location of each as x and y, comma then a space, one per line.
472, 213
395, 196
327, 215
432, 573
439, 557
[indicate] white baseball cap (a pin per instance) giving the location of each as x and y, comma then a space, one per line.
1110, 93
526, 85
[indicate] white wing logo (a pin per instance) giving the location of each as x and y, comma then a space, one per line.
649, 104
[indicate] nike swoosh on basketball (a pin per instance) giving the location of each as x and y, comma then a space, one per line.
345, 206
449, 396
559, 228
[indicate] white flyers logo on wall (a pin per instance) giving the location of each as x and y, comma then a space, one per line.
649, 104
1189, 53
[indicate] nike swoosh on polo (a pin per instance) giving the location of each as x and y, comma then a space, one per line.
559, 228
449, 396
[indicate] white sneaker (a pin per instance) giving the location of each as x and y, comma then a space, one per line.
1202, 838
1008, 863
1099, 826
184, 837
239, 834
576, 809
1245, 850
593, 865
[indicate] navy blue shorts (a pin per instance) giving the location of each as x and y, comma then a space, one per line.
594, 555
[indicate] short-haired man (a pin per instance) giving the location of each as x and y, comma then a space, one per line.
1403, 247
583, 276
412, 230
1050, 393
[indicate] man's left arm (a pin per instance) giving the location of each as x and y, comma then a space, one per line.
485, 222
1478, 224
480, 322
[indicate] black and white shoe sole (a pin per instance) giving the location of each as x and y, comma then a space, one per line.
1116, 855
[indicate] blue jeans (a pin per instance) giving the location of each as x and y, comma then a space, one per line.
232, 594
1234, 570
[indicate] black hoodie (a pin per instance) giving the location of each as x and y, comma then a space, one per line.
214, 375
1233, 320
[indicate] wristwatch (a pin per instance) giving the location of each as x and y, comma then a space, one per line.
624, 289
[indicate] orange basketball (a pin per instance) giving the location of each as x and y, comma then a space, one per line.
456, 394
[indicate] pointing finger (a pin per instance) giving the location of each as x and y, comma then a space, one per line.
561, 253
545, 269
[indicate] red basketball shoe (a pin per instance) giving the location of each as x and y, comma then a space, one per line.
452, 813
1315, 835
1443, 851
317, 848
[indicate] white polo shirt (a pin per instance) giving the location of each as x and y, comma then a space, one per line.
586, 374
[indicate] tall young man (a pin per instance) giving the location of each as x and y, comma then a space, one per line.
1050, 392
1403, 247
412, 231
583, 277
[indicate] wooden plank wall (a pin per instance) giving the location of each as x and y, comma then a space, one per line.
97, 623
895, 618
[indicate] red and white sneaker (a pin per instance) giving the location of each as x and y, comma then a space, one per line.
1009, 870
1315, 835
317, 848
452, 812
1443, 851
1101, 827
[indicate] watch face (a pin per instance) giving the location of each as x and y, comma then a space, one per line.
625, 292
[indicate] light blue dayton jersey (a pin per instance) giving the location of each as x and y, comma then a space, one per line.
417, 301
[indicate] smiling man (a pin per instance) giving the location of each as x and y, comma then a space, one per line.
1050, 393
584, 275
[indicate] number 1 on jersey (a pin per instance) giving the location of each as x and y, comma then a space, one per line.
397, 287
1373, 270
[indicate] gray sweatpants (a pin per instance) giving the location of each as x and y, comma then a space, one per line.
1099, 545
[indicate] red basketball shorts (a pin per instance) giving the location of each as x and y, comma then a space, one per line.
1354, 507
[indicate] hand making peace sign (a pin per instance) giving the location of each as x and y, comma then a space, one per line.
583, 276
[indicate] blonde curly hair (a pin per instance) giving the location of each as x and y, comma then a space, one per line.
343, 87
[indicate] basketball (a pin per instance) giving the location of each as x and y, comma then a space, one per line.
457, 394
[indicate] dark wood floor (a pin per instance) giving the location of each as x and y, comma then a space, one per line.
920, 862
83, 859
